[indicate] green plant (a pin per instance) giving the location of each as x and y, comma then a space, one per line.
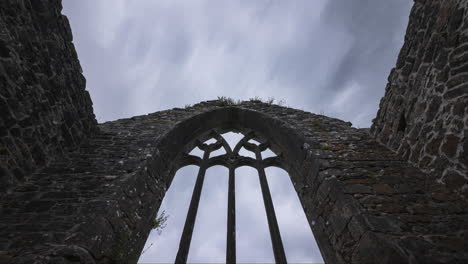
121, 245
256, 99
187, 106
159, 223
228, 100
270, 100
324, 146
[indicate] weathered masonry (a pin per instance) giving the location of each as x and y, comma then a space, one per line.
423, 115
74, 191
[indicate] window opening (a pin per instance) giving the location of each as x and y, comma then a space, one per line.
268, 154
209, 235
252, 234
246, 153
217, 152
298, 239
196, 152
245, 157
175, 205
232, 138
253, 141
210, 141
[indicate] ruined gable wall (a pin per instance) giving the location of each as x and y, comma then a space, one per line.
359, 197
424, 113
95, 205
44, 107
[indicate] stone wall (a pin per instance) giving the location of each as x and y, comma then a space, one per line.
364, 203
44, 107
424, 113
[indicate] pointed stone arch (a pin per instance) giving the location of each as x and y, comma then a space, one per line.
87, 192
318, 195
362, 201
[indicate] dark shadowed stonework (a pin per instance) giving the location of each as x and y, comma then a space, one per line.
365, 203
44, 107
424, 114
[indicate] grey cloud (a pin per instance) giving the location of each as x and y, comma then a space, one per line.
377, 28
150, 55
355, 43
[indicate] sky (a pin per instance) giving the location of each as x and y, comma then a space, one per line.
327, 57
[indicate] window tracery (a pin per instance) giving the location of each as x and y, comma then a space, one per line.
231, 149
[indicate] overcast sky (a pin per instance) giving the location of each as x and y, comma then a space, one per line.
331, 57
322, 56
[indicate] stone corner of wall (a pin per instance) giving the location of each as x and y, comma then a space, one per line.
423, 115
46, 110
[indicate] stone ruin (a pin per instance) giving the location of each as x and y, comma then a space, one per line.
75, 191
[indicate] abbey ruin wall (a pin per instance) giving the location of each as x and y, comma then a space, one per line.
44, 106
424, 113
365, 203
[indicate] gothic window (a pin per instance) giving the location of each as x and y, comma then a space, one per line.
236, 165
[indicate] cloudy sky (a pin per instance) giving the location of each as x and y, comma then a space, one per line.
324, 56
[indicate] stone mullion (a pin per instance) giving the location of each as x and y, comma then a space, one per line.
277, 243
186, 238
231, 219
